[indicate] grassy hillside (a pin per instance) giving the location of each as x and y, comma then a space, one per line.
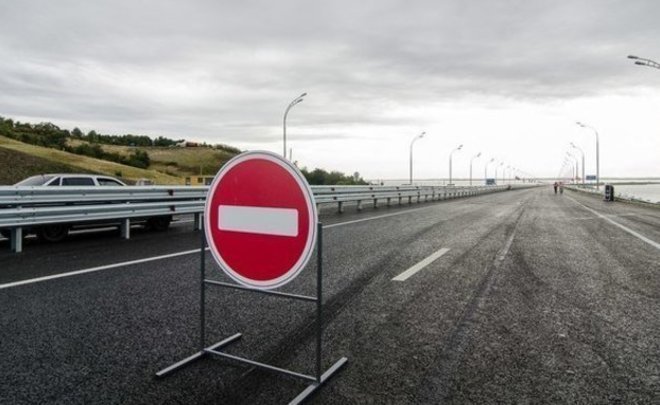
53, 160
175, 161
16, 166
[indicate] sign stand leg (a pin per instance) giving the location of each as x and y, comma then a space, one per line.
319, 300
202, 291
202, 319
319, 377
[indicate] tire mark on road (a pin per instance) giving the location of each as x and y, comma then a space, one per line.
333, 307
451, 350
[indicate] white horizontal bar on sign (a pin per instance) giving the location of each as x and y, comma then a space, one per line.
261, 220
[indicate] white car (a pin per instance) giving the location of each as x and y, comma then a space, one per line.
58, 232
70, 180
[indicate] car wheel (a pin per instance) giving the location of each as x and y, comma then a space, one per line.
53, 233
159, 224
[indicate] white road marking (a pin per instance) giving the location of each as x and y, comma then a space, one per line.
630, 231
260, 220
99, 268
377, 217
419, 266
592, 218
93, 230
187, 252
507, 246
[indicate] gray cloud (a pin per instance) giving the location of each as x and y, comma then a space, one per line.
228, 69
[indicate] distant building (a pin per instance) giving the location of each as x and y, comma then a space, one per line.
199, 180
186, 144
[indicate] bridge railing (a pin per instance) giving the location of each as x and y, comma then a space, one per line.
23, 209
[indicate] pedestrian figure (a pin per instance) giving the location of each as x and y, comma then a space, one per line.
555, 187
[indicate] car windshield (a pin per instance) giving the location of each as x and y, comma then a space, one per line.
103, 181
35, 181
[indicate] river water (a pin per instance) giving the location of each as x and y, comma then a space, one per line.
646, 192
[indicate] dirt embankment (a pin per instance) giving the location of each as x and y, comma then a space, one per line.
15, 166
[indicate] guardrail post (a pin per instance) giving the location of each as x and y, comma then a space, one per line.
375, 202
198, 221
359, 205
16, 240
389, 201
125, 228
340, 207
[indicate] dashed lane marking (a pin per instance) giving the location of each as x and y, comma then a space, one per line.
419, 266
167, 256
188, 252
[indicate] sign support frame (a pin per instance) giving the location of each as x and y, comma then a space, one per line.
316, 380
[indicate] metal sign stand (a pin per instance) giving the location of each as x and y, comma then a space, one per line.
317, 380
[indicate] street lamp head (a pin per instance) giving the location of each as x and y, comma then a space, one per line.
478, 154
422, 134
460, 146
302, 95
639, 62
580, 124
633, 57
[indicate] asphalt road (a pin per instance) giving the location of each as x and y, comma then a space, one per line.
533, 298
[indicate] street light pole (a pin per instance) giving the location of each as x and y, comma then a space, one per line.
515, 174
420, 136
295, 101
497, 167
644, 62
597, 154
450, 163
577, 166
582, 152
486, 169
471, 160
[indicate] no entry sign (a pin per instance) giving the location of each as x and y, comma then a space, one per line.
260, 220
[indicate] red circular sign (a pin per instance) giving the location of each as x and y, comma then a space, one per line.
260, 220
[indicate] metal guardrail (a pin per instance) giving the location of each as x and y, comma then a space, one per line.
358, 194
25, 208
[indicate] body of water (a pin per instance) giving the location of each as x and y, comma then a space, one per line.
646, 192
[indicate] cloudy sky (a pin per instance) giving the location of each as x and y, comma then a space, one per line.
505, 78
